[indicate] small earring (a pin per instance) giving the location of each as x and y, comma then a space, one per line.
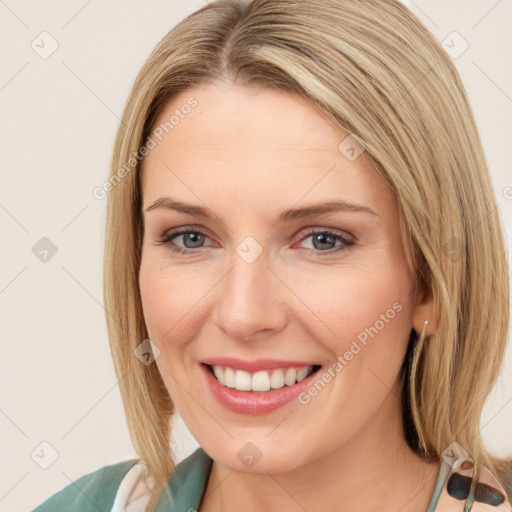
423, 332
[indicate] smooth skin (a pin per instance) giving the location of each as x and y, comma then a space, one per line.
247, 154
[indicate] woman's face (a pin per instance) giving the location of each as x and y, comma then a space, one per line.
272, 284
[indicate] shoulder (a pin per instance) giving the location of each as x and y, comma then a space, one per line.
91, 492
191, 470
184, 490
187, 484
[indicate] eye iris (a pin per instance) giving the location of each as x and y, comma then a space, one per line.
194, 238
323, 238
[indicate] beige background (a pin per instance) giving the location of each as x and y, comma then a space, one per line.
59, 115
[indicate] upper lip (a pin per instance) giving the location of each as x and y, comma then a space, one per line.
254, 365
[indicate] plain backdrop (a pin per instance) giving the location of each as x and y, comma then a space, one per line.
60, 404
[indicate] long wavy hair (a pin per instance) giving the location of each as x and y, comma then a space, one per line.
380, 75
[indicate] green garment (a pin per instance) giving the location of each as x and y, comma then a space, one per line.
96, 491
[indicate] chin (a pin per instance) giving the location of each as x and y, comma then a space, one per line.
257, 458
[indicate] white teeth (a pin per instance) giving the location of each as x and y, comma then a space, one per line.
290, 376
217, 370
263, 380
302, 374
229, 377
277, 379
243, 380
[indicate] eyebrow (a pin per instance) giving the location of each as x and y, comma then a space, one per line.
169, 203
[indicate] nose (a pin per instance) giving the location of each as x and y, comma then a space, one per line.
250, 304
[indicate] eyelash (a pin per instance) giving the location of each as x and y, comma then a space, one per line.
166, 238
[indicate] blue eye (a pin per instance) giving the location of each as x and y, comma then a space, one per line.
193, 239
196, 238
323, 237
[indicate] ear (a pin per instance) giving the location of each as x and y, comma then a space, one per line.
424, 310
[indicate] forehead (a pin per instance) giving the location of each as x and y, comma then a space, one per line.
252, 144
226, 115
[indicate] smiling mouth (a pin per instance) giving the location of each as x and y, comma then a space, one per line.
260, 381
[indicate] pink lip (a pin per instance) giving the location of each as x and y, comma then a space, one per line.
254, 365
251, 402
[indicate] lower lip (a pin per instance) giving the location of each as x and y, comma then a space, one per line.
251, 402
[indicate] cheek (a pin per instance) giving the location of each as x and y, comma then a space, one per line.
363, 318
169, 301
169, 316
356, 304
155, 301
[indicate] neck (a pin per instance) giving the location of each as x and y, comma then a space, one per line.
374, 470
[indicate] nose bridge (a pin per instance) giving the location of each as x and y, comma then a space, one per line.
249, 300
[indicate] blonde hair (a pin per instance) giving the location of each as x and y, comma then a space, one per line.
378, 74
